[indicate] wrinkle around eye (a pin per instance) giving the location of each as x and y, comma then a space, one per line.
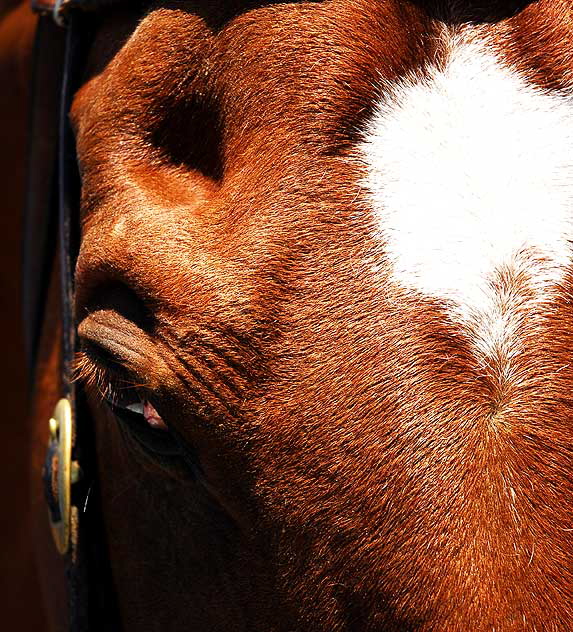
120, 342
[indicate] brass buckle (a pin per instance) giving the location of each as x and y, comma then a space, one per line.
68, 472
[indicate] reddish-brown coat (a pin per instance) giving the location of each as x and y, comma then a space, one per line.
360, 470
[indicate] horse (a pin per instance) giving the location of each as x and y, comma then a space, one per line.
323, 305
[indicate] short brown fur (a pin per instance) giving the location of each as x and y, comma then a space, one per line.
360, 469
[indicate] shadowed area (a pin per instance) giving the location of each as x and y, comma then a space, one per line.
20, 598
473, 11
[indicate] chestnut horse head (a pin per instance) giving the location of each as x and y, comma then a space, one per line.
324, 309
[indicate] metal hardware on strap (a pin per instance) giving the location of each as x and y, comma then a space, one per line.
60, 473
56, 8
52, 227
58, 13
59, 9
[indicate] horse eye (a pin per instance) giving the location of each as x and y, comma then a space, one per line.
141, 407
136, 408
140, 419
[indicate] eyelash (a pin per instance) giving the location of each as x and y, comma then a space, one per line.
107, 383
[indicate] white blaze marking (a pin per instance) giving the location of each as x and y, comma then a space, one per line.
470, 173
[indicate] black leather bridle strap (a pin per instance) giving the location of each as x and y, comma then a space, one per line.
40, 223
52, 224
68, 209
69, 195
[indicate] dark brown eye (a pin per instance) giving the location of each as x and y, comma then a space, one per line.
138, 405
144, 424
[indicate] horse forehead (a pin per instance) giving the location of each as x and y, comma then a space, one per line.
276, 155
284, 58
281, 148
263, 72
